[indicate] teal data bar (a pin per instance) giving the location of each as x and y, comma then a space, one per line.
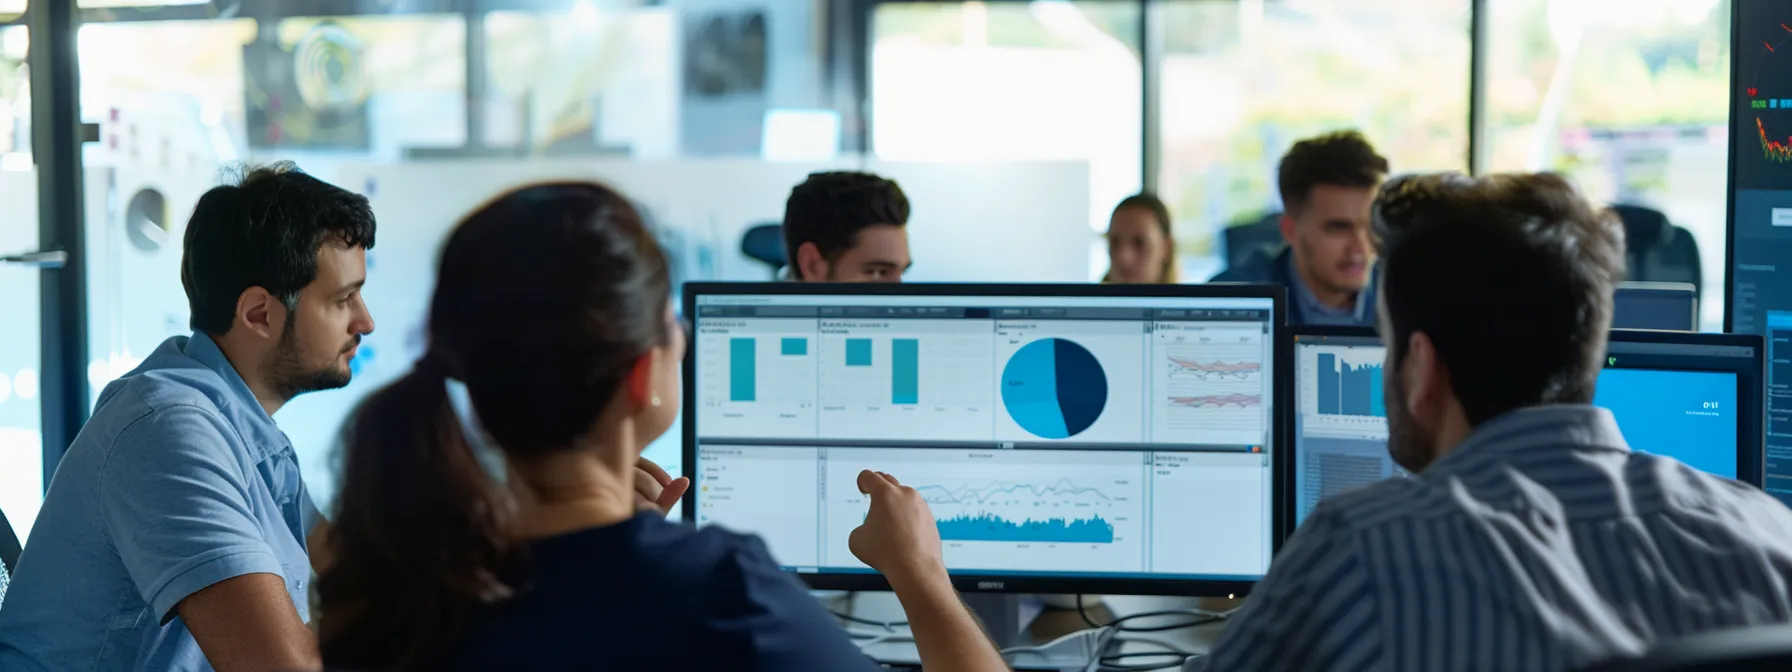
858, 352
795, 347
905, 371
741, 370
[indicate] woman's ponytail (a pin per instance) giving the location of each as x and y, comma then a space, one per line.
421, 538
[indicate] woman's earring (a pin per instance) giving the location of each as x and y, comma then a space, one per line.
656, 400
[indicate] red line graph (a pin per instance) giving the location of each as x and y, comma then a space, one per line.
1216, 367
1773, 150
1239, 400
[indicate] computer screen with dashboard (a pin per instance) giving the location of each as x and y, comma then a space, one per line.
1693, 397
1067, 438
1758, 277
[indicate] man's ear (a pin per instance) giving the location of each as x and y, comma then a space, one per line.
1287, 226
810, 263
260, 313
1427, 383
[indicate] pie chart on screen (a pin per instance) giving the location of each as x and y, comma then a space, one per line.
1054, 388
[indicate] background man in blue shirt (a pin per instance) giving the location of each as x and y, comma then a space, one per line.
1328, 266
175, 529
1530, 536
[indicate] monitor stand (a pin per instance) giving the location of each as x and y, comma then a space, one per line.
1001, 617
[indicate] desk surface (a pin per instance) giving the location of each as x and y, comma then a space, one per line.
1053, 623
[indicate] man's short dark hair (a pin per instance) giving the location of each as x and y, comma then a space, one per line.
1510, 276
830, 209
264, 230
1343, 159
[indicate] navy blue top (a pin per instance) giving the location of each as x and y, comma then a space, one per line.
648, 594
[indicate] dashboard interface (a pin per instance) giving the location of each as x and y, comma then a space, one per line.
1066, 436
1681, 400
1761, 210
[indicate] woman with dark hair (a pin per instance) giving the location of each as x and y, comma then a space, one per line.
1141, 247
552, 307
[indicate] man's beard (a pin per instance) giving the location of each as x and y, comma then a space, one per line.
1408, 443
290, 377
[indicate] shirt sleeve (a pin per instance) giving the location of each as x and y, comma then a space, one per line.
1315, 609
175, 501
775, 623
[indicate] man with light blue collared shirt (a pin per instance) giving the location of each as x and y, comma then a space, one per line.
1328, 265
1530, 536
176, 527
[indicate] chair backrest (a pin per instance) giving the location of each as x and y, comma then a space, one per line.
9, 544
1244, 240
1756, 649
1656, 250
764, 243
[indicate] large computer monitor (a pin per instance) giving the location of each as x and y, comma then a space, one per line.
1693, 397
1759, 247
1069, 438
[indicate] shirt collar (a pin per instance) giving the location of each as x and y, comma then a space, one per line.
1311, 305
1546, 427
242, 408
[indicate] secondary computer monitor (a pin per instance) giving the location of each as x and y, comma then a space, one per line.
1069, 438
1693, 397
1661, 306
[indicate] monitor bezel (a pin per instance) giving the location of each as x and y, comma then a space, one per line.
999, 583
1751, 432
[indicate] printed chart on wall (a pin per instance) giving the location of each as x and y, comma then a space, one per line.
1209, 384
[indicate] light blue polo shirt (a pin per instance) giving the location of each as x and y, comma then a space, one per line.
179, 481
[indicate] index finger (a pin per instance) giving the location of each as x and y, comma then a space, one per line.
659, 475
871, 482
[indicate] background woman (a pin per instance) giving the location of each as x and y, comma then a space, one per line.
1141, 249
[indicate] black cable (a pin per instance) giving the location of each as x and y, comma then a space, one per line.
1112, 661
851, 598
1197, 619
1084, 612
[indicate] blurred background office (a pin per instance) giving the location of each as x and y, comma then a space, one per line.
1012, 126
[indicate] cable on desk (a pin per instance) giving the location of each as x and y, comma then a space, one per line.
851, 598
1083, 611
1199, 617
1113, 662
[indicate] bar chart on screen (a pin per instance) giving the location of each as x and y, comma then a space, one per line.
1210, 385
1007, 510
757, 378
1346, 381
915, 379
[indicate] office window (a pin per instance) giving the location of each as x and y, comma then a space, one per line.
1013, 81
1242, 81
21, 443
1631, 103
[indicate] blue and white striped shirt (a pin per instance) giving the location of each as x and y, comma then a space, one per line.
1541, 543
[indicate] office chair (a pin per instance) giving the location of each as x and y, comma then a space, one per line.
9, 545
1761, 648
1244, 240
1656, 250
764, 243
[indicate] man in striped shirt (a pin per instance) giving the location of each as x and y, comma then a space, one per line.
1530, 536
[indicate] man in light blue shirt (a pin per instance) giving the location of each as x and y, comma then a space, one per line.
1530, 536
175, 529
